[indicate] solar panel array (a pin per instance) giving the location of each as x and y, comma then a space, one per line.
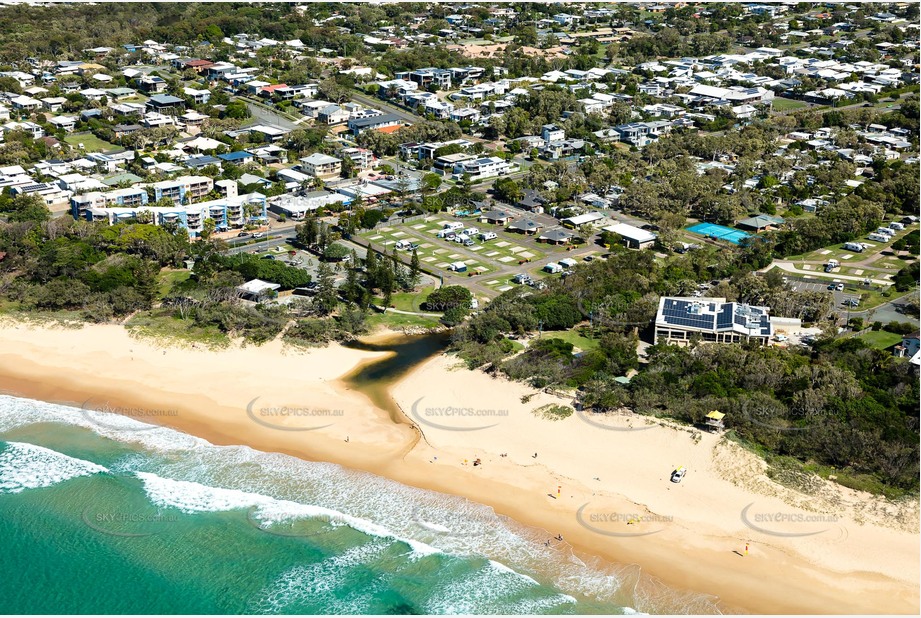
714, 317
677, 312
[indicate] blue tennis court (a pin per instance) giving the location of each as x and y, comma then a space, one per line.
719, 232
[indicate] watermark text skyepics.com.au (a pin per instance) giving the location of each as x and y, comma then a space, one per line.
288, 417
456, 418
129, 524
603, 521
102, 415
788, 524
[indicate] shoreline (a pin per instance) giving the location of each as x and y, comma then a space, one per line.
872, 569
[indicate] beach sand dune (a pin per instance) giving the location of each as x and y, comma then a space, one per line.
600, 482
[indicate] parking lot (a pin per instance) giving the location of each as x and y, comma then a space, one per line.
851, 291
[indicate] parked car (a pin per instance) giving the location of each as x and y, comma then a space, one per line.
258, 235
268, 257
840, 287
243, 235
678, 474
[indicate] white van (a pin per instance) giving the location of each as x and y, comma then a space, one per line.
403, 245
488, 236
461, 238
453, 226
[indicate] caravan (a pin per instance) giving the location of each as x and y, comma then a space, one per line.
553, 268
879, 237
856, 247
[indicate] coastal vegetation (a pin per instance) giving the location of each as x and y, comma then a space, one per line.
842, 404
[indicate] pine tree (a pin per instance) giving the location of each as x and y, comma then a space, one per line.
399, 272
414, 274
326, 299
371, 268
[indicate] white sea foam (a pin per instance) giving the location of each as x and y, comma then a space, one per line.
27, 466
284, 488
18, 412
191, 497
316, 585
491, 589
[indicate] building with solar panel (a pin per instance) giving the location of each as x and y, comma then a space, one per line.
679, 320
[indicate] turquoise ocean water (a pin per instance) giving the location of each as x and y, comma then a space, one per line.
103, 514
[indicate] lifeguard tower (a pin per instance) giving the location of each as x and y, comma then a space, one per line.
714, 421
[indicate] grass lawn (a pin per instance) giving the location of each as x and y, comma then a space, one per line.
409, 301
90, 142
573, 337
168, 278
397, 321
781, 105
880, 339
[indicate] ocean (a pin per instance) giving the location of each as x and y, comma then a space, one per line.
104, 514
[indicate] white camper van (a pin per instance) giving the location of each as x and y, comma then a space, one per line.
856, 247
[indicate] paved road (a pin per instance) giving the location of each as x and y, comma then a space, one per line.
889, 312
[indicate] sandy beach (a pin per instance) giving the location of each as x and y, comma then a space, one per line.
602, 483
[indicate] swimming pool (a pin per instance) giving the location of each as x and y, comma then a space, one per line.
719, 232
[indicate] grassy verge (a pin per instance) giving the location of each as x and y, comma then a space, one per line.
161, 324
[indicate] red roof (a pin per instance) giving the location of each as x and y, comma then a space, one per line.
199, 63
274, 87
392, 129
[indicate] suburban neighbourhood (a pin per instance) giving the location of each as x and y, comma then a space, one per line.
512, 261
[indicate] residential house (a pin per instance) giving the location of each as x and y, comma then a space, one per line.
161, 103
374, 123
333, 114
322, 166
